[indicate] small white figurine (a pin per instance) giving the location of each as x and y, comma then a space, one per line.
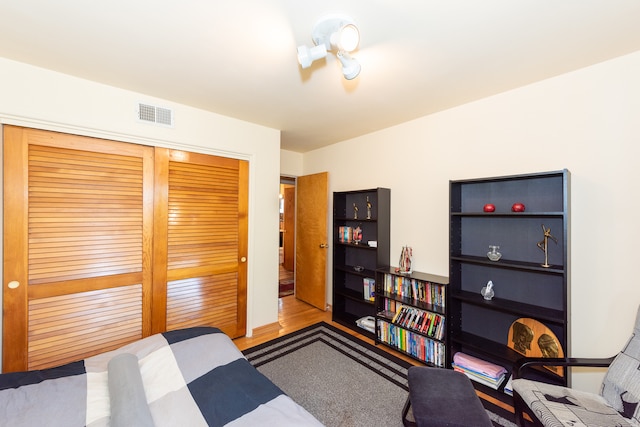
487, 291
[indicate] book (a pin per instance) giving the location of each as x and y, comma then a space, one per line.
480, 379
508, 388
475, 364
425, 323
398, 312
369, 286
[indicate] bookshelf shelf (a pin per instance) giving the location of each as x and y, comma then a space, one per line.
508, 264
524, 288
411, 314
355, 265
508, 306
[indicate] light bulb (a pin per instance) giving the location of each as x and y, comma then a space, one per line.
348, 38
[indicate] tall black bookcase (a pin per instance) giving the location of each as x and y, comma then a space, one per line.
355, 262
523, 287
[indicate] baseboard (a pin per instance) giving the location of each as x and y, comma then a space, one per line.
266, 329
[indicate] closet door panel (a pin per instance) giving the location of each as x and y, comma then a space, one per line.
203, 241
78, 223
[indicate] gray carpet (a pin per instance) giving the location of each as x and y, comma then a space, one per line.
342, 381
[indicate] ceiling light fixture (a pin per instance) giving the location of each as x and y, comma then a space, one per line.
336, 33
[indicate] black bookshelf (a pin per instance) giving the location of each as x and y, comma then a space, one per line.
356, 262
523, 287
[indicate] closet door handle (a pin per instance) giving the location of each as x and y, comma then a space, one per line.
324, 245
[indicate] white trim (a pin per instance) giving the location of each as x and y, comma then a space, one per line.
9, 119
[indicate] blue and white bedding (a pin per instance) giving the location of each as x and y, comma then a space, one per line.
189, 377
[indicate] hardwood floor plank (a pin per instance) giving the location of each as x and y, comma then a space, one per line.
294, 315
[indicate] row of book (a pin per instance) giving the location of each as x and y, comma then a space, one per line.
425, 322
417, 290
479, 370
349, 234
369, 290
416, 345
345, 234
391, 306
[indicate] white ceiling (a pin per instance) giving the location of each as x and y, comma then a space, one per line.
238, 57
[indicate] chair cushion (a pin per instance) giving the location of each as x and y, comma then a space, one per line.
557, 406
444, 397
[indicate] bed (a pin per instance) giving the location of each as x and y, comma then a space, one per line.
189, 377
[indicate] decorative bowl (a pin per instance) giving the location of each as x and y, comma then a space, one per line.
493, 254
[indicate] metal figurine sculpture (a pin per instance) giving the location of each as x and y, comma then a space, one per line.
543, 244
368, 208
355, 211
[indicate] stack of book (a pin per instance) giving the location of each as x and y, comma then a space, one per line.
368, 323
479, 370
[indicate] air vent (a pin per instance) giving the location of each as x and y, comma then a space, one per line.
153, 114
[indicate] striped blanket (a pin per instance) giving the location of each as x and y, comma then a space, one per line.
191, 377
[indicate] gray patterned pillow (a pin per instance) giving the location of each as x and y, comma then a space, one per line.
621, 384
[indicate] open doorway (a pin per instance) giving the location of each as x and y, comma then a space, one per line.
286, 279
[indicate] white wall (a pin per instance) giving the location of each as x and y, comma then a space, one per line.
587, 121
290, 163
39, 98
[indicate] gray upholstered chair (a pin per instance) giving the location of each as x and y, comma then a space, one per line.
615, 405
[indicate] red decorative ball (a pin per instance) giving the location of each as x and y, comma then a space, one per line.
489, 208
517, 207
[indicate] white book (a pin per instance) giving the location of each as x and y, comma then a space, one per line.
508, 388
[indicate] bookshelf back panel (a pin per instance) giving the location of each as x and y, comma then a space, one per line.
356, 309
344, 208
541, 194
516, 236
545, 290
360, 257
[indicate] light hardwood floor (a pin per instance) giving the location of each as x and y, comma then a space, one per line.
294, 315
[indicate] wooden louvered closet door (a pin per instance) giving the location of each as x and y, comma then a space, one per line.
109, 242
77, 243
201, 248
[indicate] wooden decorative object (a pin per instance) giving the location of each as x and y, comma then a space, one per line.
533, 339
